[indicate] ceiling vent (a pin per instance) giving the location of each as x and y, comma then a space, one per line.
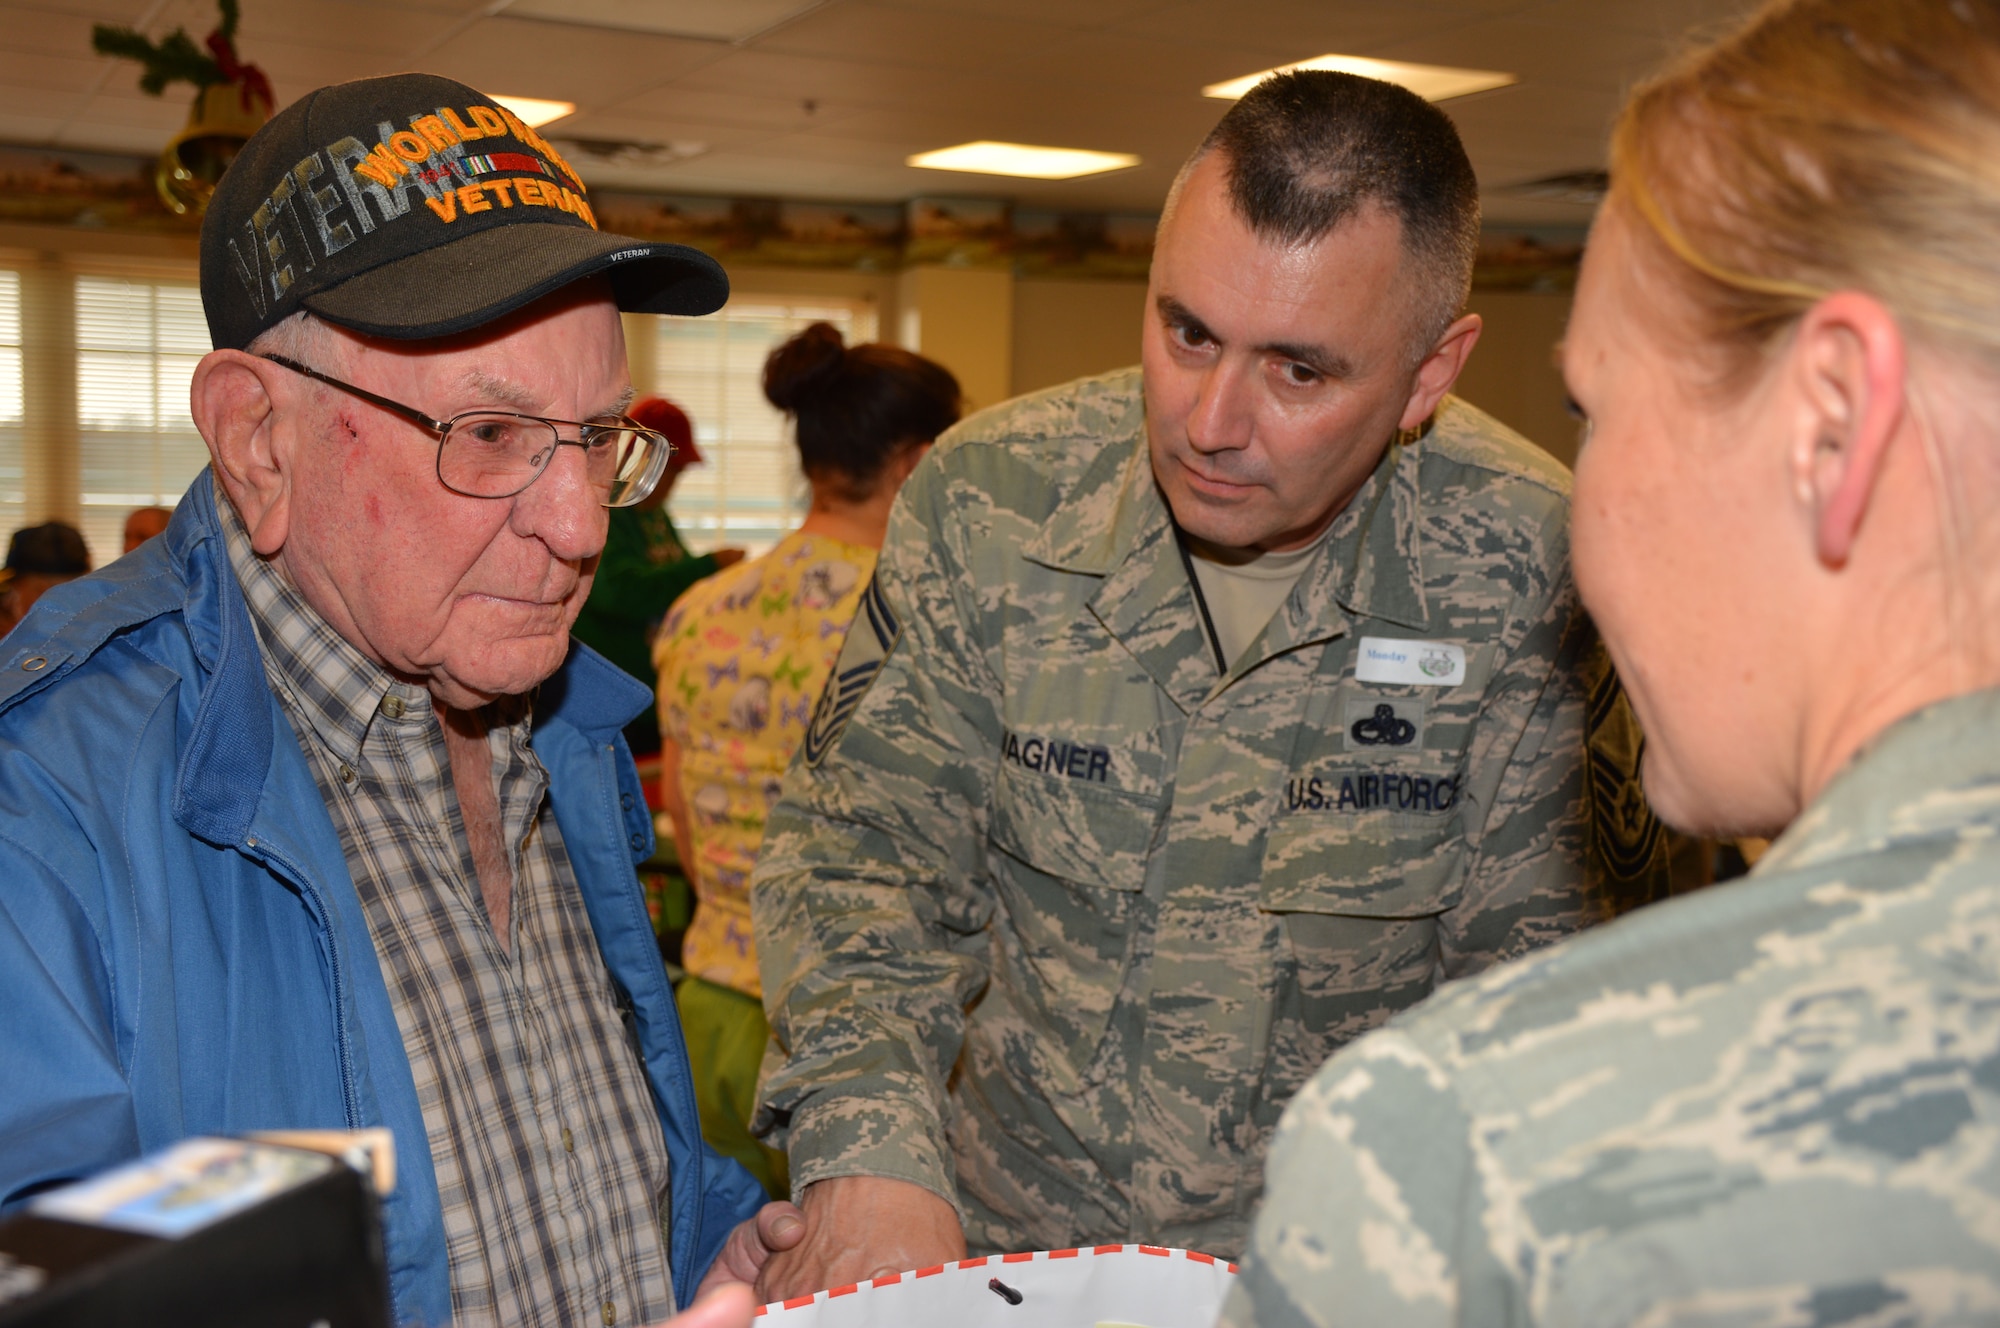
1585, 187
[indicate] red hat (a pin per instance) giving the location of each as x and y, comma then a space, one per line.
663, 416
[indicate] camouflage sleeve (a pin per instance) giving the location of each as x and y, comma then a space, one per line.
1405, 1244
1526, 883
1631, 849
870, 891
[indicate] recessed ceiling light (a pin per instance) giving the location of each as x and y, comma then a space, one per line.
1023, 159
1431, 82
535, 110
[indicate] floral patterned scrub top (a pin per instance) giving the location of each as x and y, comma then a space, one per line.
742, 657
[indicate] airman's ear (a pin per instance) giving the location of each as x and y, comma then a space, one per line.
1440, 369
1848, 363
232, 399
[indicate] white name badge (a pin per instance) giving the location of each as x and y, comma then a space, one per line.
1417, 663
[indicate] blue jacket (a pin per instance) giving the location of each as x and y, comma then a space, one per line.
182, 950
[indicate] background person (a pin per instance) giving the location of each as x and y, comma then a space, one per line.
39, 558
1198, 720
742, 657
311, 816
143, 523
1778, 1101
643, 570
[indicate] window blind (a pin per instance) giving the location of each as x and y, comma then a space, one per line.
137, 343
749, 491
13, 457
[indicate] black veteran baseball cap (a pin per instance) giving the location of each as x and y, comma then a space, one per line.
411, 206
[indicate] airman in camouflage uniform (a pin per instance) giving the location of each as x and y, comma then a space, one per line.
1773, 1103
1056, 916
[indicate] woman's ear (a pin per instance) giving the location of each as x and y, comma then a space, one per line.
233, 405
1848, 364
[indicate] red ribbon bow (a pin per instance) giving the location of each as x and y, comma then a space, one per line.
249, 79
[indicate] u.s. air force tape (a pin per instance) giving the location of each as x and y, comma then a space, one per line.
870, 638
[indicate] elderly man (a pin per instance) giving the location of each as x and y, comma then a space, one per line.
311, 816
1199, 720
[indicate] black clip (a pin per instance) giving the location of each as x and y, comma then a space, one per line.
1002, 1290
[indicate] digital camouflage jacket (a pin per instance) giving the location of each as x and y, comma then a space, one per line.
1056, 916
1774, 1103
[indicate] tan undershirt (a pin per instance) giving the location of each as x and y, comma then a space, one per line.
1244, 591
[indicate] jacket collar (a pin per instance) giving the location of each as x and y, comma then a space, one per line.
227, 756
1113, 523
1928, 774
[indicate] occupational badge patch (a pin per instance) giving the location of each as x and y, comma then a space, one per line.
874, 633
1374, 721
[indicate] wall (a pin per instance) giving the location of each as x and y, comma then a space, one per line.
1066, 329
962, 317
1512, 373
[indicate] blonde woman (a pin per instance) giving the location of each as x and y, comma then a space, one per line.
1777, 1102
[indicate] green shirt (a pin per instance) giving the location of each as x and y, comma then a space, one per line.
1056, 916
642, 571
1775, 1102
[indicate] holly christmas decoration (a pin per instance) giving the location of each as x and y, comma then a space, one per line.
232, 100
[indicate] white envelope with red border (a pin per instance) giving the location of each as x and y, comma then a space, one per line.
1109, 1286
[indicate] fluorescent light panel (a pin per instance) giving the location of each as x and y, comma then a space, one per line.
535, 110
1022, 159
1431, 82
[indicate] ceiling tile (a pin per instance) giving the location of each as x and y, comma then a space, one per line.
888, 77
1669, 22
1080, 14
776, 74
881, 34
64, 34
1295, 29
1088, 68
340, 25
39, 70
716, 20
1567, 54
619, 128
589, 66
734, 108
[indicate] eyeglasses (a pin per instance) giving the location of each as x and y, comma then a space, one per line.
497, 453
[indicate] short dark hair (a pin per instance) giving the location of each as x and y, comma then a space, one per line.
53, 548
857, 406
1306, 150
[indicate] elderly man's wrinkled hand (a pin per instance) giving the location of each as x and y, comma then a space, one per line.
777, 1226
731, 1305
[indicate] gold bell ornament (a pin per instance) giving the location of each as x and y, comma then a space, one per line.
232, 101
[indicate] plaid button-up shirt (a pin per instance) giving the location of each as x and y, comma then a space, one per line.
551, 1165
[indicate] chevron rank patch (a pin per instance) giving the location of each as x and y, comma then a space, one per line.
872, 636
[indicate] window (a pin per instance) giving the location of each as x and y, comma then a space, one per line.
748, 491
137, 343
13, 455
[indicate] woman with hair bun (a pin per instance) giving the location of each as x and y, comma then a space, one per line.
742, 657
1777, 1101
